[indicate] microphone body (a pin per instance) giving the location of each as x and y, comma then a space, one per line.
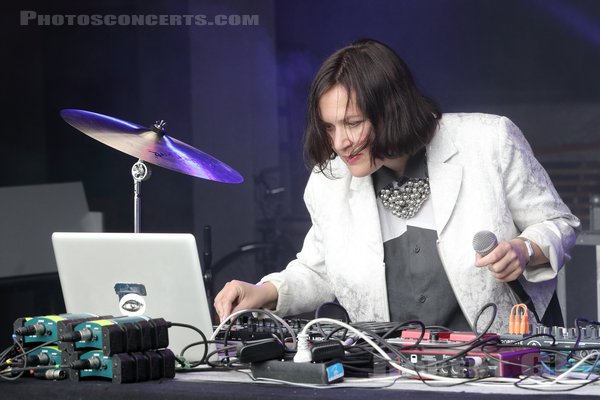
484, 242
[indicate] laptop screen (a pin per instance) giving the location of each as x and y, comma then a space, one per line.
153, 274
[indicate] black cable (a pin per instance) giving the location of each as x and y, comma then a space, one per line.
476, 342
319, 311
223, 360
558, 351
492, 319
525, 367
485, 343
178, 324
186, 348
198, 363
7, 354
271, 316
19, 374
517, 384
391, 347
578, 326
280, 326
517, 341
406, 325
40, 367
336, 330
453, 384
48, 343
478, 336
438, 328
548, 348
593, 366
461, 353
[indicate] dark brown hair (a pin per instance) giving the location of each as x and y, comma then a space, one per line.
403, 119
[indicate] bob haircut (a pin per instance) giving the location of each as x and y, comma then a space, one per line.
403, 119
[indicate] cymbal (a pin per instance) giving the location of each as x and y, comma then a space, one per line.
152, 145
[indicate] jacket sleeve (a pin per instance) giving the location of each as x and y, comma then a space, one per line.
303, 284
537, 210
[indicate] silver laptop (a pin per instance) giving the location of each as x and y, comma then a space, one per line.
153, 274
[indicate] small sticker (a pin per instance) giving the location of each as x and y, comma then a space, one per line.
335, 372
121, 289
131, 298
132, 304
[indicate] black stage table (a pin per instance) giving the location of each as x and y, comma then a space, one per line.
188, 388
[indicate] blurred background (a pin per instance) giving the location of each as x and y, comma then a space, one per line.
237, 90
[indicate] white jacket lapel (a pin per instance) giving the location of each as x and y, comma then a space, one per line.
363, 206
445, 179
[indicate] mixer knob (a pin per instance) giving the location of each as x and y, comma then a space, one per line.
572, 333
561, 333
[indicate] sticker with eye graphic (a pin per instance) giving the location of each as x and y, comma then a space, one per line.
131, 298
132, 304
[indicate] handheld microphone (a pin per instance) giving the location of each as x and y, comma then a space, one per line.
484, 242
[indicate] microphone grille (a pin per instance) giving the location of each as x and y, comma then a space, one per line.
484, 242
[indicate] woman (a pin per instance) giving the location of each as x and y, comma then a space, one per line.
396, 195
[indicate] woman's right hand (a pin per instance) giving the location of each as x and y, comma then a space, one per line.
239, 295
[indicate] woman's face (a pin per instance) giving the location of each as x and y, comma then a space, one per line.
348, 131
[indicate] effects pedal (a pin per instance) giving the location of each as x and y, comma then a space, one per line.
441, 353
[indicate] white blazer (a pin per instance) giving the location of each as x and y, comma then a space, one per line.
483, 176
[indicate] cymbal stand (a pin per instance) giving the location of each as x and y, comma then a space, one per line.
140, 172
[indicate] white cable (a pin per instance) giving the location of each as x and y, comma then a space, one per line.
490, 381
562, 377
328, 386
437, 377
379, 350
561, 380
303, 353
574, 367
257, 310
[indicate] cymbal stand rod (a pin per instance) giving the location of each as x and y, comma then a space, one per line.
137, 206
140, 172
